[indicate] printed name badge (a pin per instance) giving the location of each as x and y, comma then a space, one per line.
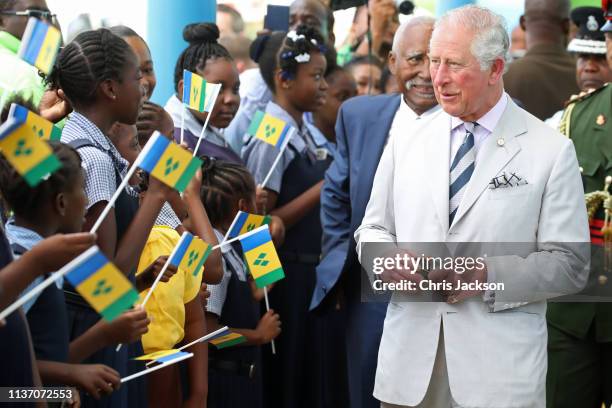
321, 153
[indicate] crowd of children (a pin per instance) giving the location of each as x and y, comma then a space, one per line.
100, 87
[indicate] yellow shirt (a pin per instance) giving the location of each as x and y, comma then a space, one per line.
166, 307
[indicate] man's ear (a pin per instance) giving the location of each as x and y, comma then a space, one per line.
522, 22
497, 71
391, 61
108, 88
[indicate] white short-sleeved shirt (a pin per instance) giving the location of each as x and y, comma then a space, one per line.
101, 164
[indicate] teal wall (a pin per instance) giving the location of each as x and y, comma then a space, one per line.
166, 19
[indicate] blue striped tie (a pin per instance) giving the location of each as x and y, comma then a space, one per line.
461, 170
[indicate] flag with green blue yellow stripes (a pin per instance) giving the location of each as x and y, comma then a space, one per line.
168, 162
261, 257
101, 284
22, 147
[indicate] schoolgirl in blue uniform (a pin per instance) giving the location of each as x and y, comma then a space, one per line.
235, 373
55, 205
209, 59
295, 74
99, 75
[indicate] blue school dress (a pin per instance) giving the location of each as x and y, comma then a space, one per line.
213, 143
46, 313
234, 373
17, 364
104, 169
293, 376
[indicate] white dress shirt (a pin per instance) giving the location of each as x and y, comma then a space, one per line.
405, 116
486, 125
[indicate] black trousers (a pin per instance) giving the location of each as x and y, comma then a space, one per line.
579, 371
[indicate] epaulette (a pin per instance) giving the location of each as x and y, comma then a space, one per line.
564, 123
585, 95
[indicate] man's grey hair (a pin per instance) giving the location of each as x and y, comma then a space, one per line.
491, 39
424, 21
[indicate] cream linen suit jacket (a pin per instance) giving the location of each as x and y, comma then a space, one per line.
495, 352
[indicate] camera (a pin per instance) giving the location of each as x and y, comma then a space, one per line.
404, 6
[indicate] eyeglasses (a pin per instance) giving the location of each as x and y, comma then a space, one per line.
39, 14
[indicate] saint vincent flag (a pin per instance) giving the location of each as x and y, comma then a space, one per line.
40, 126
31, 157
261, 257
162, 356
168, 162
197, 93
190, 254
104, 287
40, 44
227, 340
268, 128
246, 222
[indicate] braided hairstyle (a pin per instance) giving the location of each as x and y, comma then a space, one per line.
203, 46
264, 51
223, 184
303, 41
93, 57
24, 200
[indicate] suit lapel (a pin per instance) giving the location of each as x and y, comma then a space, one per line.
493, 158
373, 140
437, 159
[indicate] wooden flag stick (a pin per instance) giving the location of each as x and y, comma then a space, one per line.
229, 241
197, 146
278, 157
115, 196
150, 370
143, 153
268, 309
200, 340
156, 281
230, 227
204, 338
182, 121
46, 283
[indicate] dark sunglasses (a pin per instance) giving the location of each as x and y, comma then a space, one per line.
39, 14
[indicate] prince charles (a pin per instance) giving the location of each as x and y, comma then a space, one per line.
480, 170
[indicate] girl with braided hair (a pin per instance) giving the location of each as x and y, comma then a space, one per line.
209, 59
235, 375
152, 116
56, 206
99, 75
295, 74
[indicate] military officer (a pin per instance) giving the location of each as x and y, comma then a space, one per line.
589, 48
580, 334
